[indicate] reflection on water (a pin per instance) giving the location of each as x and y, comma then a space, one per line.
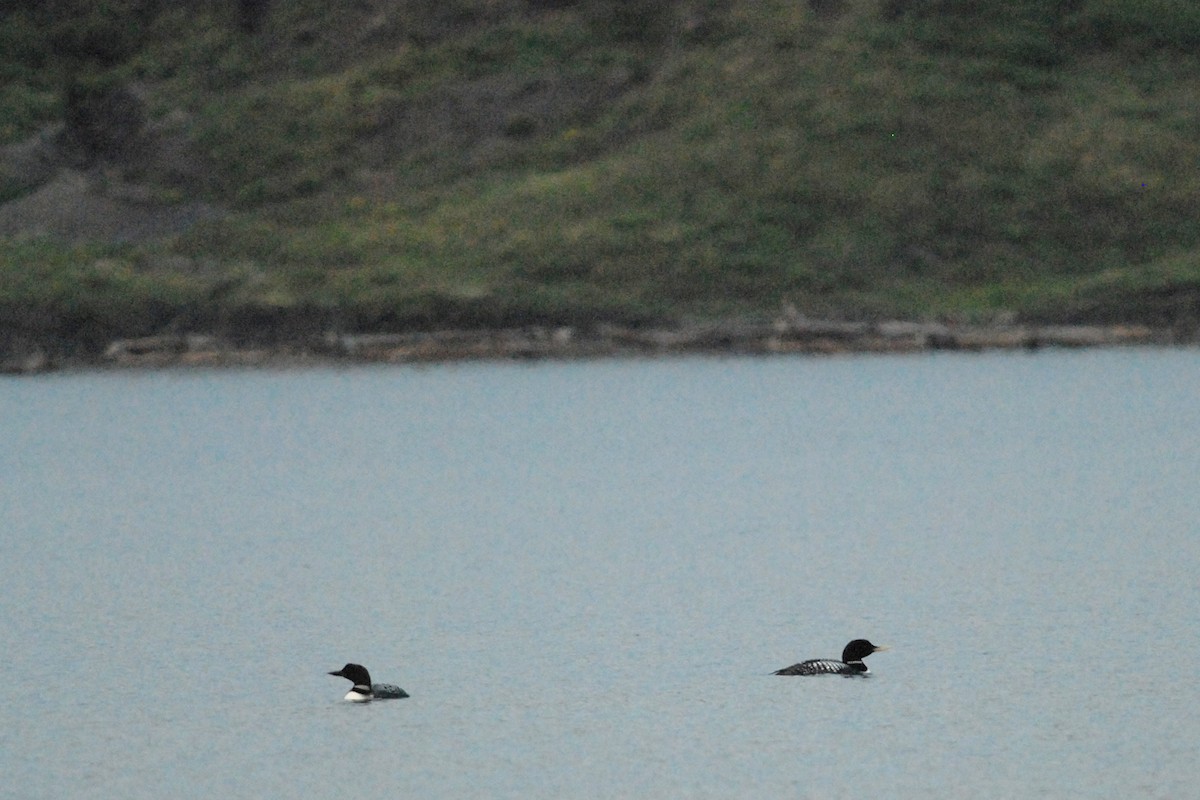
583, 573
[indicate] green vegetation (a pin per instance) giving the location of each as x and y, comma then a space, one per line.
418, 164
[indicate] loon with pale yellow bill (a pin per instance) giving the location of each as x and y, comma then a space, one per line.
851, 663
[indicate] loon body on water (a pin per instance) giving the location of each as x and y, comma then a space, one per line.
363, 689
851, 663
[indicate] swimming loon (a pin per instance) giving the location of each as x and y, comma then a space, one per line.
851, 663
363, 689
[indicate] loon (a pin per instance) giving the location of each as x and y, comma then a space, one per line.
363, 689
851, 663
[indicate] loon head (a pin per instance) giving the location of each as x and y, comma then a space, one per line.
358, 675
859, 649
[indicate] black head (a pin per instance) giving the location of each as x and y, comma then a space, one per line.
860, 649
355, 673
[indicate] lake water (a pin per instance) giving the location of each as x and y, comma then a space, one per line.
583, 573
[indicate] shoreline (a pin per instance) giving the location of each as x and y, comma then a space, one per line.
603, 340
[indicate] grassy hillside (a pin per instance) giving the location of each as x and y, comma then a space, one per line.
397, 165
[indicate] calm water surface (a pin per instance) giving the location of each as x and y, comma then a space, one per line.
584, 572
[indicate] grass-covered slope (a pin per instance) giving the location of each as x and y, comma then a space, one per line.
397, 165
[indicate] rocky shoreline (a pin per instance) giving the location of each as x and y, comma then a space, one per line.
729, 337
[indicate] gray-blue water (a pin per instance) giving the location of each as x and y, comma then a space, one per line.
583, 573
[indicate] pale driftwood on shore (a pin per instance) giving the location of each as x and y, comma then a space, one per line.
792, 333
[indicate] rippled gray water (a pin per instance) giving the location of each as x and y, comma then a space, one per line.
584, 572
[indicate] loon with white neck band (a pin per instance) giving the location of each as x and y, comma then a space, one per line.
363, 689
851, 663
